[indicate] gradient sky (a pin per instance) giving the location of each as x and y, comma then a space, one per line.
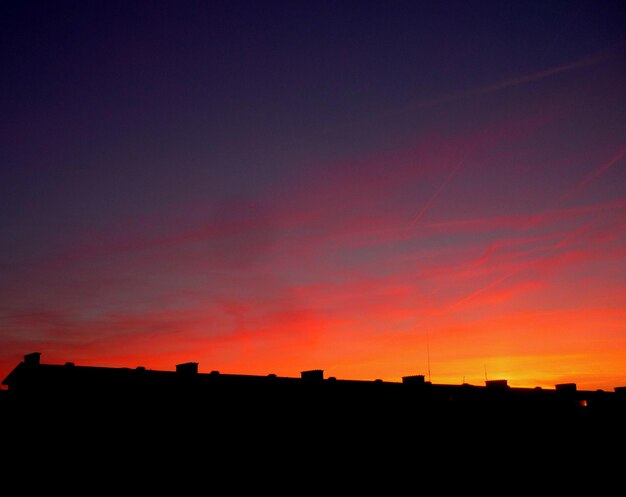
372, 188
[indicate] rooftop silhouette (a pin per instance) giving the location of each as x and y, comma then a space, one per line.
130, 409
187, 390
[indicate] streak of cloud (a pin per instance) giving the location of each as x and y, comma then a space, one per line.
434, 196
480, 291
595, 174
615, 51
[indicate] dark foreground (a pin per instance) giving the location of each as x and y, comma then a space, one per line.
241, 428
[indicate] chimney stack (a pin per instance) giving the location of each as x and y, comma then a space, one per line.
312, 375
565, 387
32, 359
416, 379
498, 384
188, 368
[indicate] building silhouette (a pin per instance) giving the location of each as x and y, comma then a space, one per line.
185, 392
68, 416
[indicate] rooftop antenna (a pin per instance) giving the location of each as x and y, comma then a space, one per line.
428, 353
485, 372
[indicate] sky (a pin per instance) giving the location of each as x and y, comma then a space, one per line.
372, 188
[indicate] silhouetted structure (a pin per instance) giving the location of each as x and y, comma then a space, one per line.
32, 382
309, 411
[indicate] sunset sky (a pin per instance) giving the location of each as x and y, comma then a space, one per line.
372, 188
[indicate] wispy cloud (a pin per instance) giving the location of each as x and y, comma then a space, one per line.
601, 170
429, 202
612, 52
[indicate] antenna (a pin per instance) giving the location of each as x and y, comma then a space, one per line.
428, 353
485, 372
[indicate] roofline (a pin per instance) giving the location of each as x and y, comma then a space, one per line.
23, 364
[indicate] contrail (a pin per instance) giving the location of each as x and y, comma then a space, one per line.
542, 217
475, 293
603, 169
430, 201
611, 52
528, 78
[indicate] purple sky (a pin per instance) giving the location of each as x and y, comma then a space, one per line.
277, 186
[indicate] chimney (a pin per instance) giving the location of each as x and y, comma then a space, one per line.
416, 379
32, 359
188, 368
312, 375
565, 387
499, 384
